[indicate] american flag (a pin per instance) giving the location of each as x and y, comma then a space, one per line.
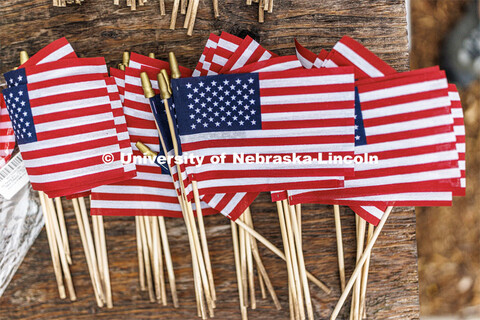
405, 120
249, 51
459, 128
151, 192
277, 113
63, 126
348, 52
307, 58
7, 137
273, 64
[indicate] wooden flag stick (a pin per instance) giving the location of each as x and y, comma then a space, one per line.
95, 282
236, 254
183, 6
338, 231
262, 272
193, 17
146, 259
261, 11
263, 292
53, 248
251, 280
63, 228
363, 289
270, 6
188, 14
288, 256
360, 245
358, 268
162, 7
158, 245
63, 257
106, 271
154, 258
301, 262
168, 261
173, 20
294, 257
243, 263
141, 266
98, 249
90, 246
203, 238
216, 12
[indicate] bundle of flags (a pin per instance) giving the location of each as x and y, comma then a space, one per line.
340, 127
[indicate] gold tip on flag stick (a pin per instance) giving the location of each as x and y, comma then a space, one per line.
151, 55
126, 58
175, 71
360, 263
147, 89
164, 73
23, 57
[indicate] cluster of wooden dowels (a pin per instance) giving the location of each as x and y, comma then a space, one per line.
153, 246
133, 4
247, 257
263, 6
63, 3
189, 8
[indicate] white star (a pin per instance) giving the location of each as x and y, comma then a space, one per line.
195, 90
203, 104
227, 93
24, 130
246, 106
234, 108
355, 116
197, 110
228, 113
245, 96
357, 137
192, 116
247, 117
234, 97
205, 124
253, 111
201, 84
239, 92
27, 124
232, 87
29, 134
252, 101
209, 99
20, 78
356, 127
220, 88
190, 106
190, 96
222, 118
254, 122
241, 123
204, 115
22, 135
11, 81
235, 118
229, 123
245, 86
21, 119
210, 109
208, 89
238, 81
214, 83
250, 80
193, 126
189, 85
216, 114
16, 84
20, 93
11, 95
199, 120
227, 103
19, 109
22, 103
215, 104
221, 108
202, 94
251, 91
220, 98
196, 100
217, 124
210, 119
214, 93
225, 82
240, 112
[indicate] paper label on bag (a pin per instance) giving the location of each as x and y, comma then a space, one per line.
13, 177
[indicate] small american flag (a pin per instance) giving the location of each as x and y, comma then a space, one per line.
307, 58
249, 51
7, 136
119, 77
275, 113
57, 50
273, 64
202, 68
227, 45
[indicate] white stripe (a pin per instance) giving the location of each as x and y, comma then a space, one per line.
57, 54
69, 105
397, 91
75, 173
457, 112
406, 196
232, 203
358, 60
66, 72
408, 107
138, 114
73, 122
265, 56
249, 134
308, 98
219, 60
406, 143
67, 88
459, 130
60, 142
230, 46
309, 115
250, 167
216, 200
245, 55
71, 156
307, 81
409, 125
307, 64
142, 132
374, 211
329, 64
454, 96
135, 205
256, 181
281, 66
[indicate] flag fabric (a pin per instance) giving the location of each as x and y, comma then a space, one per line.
200, 69
275, 113
307, 58
227, 45
405, 120
459, 128
348, 52
119, 77
57, 50
64, 124
248, 51
7, 136
273, 64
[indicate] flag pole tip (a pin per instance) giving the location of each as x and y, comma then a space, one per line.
174, 65
164, 93
126, 58
23, 57
147, 86
145, 150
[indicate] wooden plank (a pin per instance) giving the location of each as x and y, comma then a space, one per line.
100, 28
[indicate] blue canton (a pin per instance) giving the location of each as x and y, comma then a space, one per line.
217, 103
18, 106
360, 137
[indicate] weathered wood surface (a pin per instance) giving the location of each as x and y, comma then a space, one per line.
99, 28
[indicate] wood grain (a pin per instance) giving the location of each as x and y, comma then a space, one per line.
100, 28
